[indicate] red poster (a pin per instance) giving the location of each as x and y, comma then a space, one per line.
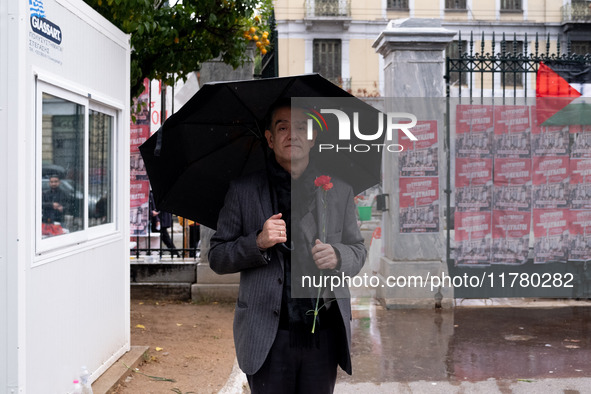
580, 142
512, 185
580, 235
551, 182
473, 238
139, 215
580, 184
550, 235
138, 134
419, 204
510, 237
419, 158
548, 140
473, 185
512, 131
474, 130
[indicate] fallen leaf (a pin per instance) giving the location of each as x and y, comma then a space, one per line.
140, 326
158, 349
141, 303
179, 324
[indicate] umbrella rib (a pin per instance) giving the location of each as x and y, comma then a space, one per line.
257, 132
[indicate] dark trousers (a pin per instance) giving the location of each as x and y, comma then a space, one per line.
167, 241
290, 370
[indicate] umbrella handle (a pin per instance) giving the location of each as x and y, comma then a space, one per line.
284, 248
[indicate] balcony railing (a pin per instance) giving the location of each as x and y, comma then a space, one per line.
577, 12
328, 8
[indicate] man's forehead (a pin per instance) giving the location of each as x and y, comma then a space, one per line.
286, 114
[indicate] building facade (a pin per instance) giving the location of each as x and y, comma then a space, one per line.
335, 37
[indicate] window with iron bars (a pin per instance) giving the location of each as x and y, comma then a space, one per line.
327, 59
511, 5
455, 4
329, 8
580, 47
398, 4
453, 52
512, 70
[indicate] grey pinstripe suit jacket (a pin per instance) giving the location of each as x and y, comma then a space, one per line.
233, 249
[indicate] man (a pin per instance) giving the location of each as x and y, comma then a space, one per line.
273, 335
54, 201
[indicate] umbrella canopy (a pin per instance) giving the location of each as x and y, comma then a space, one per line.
218, 136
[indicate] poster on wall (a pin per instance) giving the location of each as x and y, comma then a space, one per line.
512, 185
474, 131
580, 235
512, 131
580, 138
419, 205
420, 158
139, 214
550, 235
510, 232
550, 182
548, 140
580, 184
472, 238
140, 186
473, 185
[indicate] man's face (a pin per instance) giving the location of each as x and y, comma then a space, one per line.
54, 182
288, 135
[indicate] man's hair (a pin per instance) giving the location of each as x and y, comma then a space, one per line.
280, 103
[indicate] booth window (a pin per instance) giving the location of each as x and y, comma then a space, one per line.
100, 168
62, 166
77, 166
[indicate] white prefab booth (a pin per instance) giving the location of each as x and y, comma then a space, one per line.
64, 194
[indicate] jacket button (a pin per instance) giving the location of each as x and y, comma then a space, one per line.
280, 280
276, 312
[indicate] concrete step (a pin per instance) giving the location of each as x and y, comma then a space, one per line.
161, 291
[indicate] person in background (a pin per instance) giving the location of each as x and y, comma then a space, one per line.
160, 223
55, 201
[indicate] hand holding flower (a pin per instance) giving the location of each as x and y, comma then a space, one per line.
324, 256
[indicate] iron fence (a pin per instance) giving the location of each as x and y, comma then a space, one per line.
498, 73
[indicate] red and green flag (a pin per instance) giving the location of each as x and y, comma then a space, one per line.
563, 93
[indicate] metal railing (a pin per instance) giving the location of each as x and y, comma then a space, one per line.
328, 8
496, 61
185, 238
505, 62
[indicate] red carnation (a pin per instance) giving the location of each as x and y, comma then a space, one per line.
324, 181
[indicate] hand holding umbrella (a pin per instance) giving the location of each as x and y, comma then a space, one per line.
273, 232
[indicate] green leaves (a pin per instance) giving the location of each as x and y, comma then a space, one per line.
170, 42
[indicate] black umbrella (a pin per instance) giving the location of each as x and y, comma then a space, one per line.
218, 136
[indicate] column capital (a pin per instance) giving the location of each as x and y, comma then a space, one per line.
413, 34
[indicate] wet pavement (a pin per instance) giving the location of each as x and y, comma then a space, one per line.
470, 349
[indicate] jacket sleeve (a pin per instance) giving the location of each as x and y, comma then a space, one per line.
233, 247
351, 249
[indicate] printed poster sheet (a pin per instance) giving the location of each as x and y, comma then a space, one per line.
510, 237
474, 131
512, 184
512, 131
551, 235
420, 158
419, 204
473, 238
473, 185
